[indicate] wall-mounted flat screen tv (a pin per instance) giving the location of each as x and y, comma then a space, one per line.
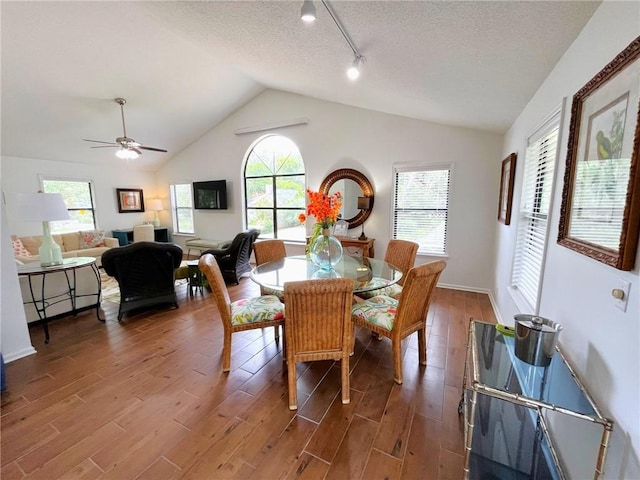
211, 195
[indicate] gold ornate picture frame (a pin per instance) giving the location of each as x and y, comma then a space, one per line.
507, 179
600, 211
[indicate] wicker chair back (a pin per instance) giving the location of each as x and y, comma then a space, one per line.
402, 254
318, 327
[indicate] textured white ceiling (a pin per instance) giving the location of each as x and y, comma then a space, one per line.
184, 66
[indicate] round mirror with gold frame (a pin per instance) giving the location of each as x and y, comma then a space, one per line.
351, 184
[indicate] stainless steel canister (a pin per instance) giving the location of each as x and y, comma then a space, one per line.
536, 339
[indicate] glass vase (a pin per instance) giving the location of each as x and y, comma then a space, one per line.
326, 250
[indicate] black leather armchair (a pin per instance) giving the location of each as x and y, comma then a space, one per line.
145, 273
234, 259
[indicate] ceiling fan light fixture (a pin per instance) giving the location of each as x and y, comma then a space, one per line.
308, 11
127, 154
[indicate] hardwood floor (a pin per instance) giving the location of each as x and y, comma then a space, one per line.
146, 399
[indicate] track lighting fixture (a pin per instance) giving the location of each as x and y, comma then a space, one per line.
308, 11
354, 70
308, 14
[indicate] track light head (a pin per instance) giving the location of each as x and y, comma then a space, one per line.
308, 11
354, 70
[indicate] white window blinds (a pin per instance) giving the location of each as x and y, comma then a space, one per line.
421, 206
533, 217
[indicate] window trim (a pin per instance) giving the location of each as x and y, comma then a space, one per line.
174, 207
419, 167
92, 195
553, 121
275, 209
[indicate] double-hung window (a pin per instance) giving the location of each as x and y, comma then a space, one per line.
78, 197
182, 208
533, 217
421, 206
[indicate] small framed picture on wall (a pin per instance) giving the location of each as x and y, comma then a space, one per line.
130, 200
507, 179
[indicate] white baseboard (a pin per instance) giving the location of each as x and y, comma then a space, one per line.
25, 352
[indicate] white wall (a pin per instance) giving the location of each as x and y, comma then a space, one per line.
14, 335
601, 342
338, 136
21, 175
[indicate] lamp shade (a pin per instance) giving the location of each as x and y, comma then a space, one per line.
154, 205
364, 203
41, 207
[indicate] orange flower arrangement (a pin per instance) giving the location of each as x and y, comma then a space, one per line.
324, 208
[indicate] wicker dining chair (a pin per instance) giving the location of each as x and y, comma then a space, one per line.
397, 319
245, 314
266, 251
269, 251
401, 254
318, 327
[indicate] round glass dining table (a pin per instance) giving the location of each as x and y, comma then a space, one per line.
361, 269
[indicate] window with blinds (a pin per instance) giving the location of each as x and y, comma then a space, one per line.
421, 206
535, 205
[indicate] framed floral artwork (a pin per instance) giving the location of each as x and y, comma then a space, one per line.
507, 179
600, 211
130, 200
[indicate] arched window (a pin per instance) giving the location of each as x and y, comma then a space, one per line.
274, 185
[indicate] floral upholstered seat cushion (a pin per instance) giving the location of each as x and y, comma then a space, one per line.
379, 311
277, 293
382, 288
256, 309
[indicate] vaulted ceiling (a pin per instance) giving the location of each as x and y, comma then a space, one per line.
185, 66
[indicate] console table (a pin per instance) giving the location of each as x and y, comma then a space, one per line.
125, 236
524, 421
365, 246
69, 265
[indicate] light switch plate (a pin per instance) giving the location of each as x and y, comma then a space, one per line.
625, 286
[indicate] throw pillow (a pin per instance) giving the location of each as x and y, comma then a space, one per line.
19, 249
92, 239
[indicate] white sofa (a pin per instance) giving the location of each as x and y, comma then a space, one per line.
70, 244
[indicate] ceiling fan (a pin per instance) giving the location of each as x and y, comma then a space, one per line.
129, 148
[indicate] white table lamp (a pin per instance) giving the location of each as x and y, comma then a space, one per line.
155, 205
44, 207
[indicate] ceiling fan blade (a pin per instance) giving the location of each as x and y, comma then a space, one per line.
126, 144
98, 141
152, 149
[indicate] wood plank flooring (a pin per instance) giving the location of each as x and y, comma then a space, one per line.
146, 399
